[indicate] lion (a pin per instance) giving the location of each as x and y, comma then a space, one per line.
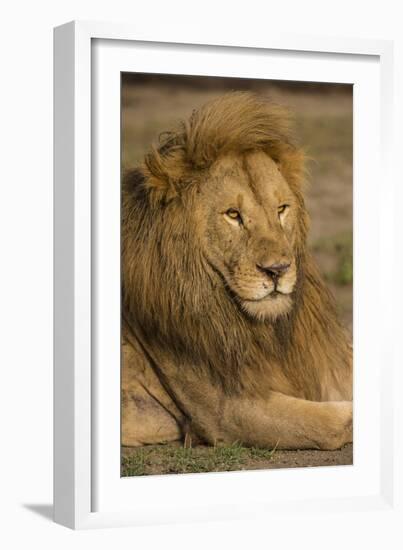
229, 333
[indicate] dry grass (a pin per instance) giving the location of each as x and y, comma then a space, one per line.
179, 460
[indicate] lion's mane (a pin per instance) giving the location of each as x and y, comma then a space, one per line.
172, 299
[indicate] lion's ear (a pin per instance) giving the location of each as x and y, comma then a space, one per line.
161, 189
164, 174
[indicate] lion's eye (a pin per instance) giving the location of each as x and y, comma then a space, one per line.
233, 214
281, 209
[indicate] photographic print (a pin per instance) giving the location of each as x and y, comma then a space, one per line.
237, 274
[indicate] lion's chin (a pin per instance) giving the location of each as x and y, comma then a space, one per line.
269, 308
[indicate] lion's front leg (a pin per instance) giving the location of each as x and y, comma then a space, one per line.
291, 423
280, 421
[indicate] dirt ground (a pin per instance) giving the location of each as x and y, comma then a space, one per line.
151, 105
174, 459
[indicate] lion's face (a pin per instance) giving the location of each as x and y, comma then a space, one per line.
248, 218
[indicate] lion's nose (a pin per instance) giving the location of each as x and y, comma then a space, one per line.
274, 270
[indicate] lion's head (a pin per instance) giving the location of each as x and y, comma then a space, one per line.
236, 170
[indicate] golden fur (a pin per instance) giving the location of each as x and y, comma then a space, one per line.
214, 346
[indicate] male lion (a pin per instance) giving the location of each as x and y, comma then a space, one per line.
229, 333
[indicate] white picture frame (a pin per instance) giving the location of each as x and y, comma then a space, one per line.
88, 491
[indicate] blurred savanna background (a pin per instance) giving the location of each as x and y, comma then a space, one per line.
154, 103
